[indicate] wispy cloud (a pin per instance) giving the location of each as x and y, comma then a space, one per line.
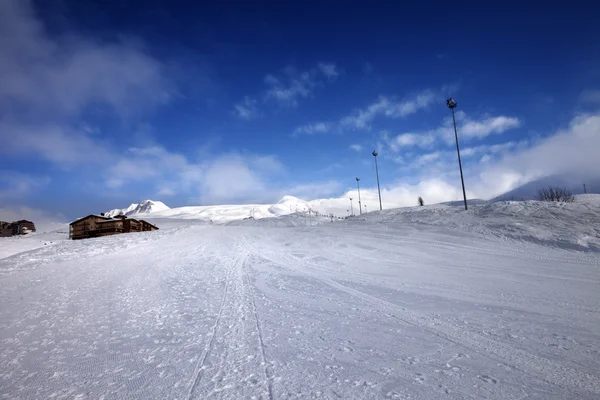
246, 109
330, 70
16, 186
288, 91
422, 140
48, 75
480, 129
48, 84
468, 128
361, 119
312, 129
356, 147
290, 85
590, 96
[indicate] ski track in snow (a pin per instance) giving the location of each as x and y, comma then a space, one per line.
330, 311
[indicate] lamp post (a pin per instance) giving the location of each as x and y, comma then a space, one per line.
348, 211
365, 208
451, 103
351, 207
359, 203
377, 173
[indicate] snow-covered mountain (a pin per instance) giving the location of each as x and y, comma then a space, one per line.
145, 207
232, 212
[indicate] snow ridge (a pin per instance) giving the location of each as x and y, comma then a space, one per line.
144, 207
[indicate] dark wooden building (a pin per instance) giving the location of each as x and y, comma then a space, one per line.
21, 227
100, 225
5, 229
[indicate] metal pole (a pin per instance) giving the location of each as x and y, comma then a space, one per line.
351, 207
377, 173
584, 189
462, 181
359, 203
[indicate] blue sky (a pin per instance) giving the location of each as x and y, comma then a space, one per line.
107, 103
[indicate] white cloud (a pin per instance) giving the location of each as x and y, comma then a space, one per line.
571, 151
356, 147
49, 75
480, 129
58, 144
330, 70
499, 148
361, 119
47, 83
311, 129
231, 177
246, 109
290, 86
412, 139
427, 158
289, 91
468, 129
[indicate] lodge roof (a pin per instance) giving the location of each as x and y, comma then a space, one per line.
91, 215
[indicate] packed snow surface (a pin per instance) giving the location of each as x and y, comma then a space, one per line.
499, 302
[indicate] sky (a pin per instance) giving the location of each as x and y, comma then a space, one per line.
103, 104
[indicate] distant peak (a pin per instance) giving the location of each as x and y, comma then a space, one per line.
289, 199
144, 207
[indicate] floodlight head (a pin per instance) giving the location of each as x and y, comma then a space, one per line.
451, 103
374, 153
357, 179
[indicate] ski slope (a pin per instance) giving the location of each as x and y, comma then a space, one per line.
419, 303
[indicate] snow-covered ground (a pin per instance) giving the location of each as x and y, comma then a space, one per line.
48, 234
498, 302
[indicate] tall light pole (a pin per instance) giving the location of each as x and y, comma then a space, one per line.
377, 173
451, 103
351, 207
365, 208
359, 203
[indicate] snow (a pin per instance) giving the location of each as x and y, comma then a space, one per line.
47, 234
429, 302
227, 213
144, 207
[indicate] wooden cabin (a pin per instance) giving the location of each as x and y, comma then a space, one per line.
100, 225
5, 229
21, 227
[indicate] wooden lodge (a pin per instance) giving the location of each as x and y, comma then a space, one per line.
100, 225
21, 227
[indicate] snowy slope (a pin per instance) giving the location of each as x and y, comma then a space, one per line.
416, 303
420, 303
566, 225
145, 207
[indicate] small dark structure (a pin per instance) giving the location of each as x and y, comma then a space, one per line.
21, 227
100, 225
5, 229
